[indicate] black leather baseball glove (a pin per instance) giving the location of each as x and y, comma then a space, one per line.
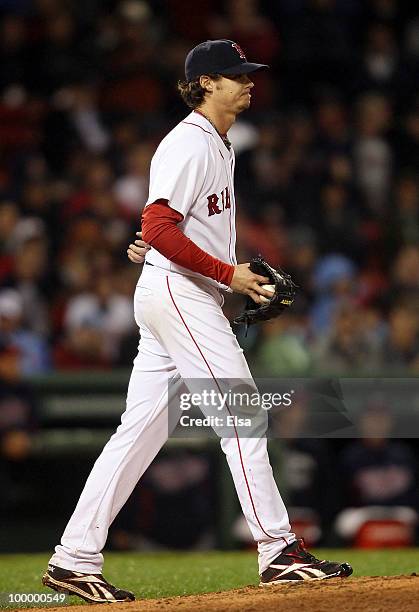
282, 298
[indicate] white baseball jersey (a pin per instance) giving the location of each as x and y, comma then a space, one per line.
184, 337
193, 169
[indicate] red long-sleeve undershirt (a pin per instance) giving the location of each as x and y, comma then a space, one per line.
160, 230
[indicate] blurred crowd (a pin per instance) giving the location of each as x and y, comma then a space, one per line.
327, 182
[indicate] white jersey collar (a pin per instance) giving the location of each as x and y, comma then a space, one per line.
201, 121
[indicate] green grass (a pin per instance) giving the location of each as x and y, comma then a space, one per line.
154, 575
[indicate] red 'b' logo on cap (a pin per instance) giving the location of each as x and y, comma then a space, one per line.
239, 50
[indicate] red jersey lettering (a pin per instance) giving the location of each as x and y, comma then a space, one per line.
213, 208
228, 203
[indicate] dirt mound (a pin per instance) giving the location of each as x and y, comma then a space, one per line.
372, 594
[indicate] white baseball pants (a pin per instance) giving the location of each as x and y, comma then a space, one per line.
184, 334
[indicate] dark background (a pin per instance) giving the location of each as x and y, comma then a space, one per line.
327, 187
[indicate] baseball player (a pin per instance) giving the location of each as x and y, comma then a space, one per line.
188, 226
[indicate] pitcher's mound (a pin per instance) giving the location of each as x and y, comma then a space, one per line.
335, 595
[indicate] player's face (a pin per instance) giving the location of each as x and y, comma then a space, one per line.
233, 92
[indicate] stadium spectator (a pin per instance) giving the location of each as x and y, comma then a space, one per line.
401, 349
334, 281
352, 344
377, 472
22, 352
326, 182
131, 189
18, 422
282, 350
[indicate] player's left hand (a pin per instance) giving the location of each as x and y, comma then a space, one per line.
137, 251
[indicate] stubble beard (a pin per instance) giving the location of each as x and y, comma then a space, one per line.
243, 106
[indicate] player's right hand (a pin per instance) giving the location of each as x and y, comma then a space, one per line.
247, 282
137, 251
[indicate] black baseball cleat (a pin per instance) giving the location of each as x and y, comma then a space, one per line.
296, 564
90, 587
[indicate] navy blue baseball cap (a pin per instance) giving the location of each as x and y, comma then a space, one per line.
218, 57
